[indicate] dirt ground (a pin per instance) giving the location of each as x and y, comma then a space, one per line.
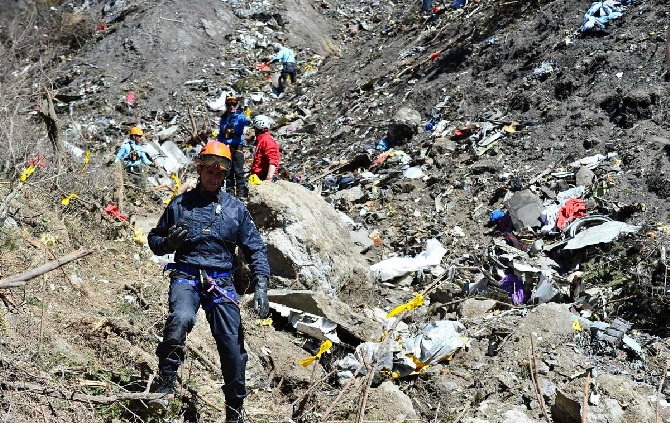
91, 326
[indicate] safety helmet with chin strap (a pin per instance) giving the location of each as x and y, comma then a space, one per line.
215, 154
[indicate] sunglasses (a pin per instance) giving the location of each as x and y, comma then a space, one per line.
215, 161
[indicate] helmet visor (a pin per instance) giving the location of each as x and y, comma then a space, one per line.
219, 162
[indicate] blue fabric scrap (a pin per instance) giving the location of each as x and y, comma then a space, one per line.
496, 215
601, 12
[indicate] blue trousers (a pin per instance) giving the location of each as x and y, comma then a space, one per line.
236, 183
225, 323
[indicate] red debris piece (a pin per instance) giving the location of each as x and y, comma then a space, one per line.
114, 211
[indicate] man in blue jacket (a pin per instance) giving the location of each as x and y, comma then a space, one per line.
231, 133
132, 153
203, 227
289, 71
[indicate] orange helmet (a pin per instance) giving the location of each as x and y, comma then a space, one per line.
215, 153
230, 100
136, 130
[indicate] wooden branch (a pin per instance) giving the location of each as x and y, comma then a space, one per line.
5, 203
48, 115
660, 389
332, 405
194, 127
585, 403
74, 396
21, 278
536, 380
204, 360
118, 181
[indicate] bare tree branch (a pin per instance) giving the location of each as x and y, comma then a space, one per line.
74, 396
21, 278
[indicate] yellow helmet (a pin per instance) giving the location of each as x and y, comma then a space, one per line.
215, 153
136, 130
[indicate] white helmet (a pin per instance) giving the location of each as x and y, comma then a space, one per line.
277, 46
262, 123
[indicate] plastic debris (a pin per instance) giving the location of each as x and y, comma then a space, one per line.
602, 12
114, 211
514, 287
397, 266
601, 234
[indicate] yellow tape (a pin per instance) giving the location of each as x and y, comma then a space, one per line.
416, 302
29, 170
325, 346
66, 201
177, 185
87, 159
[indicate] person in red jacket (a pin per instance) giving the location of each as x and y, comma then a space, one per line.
266, 156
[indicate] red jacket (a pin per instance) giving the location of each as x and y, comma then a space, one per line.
266, 154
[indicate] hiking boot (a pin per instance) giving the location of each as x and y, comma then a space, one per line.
234, 414
166, 386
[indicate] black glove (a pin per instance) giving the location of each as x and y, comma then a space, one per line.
261, 303
177, 235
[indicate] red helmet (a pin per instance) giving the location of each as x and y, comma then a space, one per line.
215, 153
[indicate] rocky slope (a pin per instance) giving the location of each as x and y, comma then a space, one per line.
484, 101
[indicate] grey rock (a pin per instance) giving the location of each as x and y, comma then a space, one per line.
307, 240
525, 209
584, 176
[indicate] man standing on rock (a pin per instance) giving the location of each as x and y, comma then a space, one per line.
231, 133
266, 155
203, 227
289, 71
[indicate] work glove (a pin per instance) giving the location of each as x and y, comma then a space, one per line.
261, 303
177, 234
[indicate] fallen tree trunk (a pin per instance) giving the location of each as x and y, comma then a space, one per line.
75, 396
21, 278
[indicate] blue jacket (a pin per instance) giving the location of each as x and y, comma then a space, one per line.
285, 55
124, 154
217, 224
231, 129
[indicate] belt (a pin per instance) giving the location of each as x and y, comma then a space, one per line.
194, 271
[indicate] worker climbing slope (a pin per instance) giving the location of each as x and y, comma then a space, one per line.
203, 227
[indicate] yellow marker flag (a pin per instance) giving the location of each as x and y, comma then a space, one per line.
576, 326
254, 179
138, 236
247, 113
29, 170
264, 322
48, 240
66, 201
416, 302
87, 159
325, 346
177, 185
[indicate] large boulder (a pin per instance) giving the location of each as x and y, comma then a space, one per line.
404, 125
308, 241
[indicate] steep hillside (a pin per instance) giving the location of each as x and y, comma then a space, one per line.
416, 127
